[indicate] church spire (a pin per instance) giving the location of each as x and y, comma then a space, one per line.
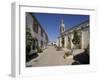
62, 21
62, 26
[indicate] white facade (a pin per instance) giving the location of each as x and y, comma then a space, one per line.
83, 31
62, 26
42, 41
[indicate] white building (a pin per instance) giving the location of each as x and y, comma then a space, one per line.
38, 33
67, 35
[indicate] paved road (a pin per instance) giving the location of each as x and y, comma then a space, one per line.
51, 57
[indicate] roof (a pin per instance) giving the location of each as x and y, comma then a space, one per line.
39, 24
78, 25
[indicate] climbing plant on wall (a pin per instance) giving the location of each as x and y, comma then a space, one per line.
63, 42
29, 40
76, 38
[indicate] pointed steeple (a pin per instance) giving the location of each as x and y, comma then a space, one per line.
62, 26
62, 21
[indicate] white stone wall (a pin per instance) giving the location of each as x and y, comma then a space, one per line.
67, 43
72, 45
29, 23
57, 42
65, 39
85, 39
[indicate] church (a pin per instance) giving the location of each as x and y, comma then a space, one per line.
65, 39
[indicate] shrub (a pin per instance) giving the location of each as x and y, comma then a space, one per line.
76, 38
29, 40
66, 54
63, 42
28, 49
39, 50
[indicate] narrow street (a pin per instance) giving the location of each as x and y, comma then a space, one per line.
51, 57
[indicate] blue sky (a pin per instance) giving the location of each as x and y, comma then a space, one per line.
51, 22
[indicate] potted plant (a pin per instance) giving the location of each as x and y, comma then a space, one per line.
66, 54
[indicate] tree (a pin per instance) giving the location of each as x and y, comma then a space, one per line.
63, 42
29, 40
76, 38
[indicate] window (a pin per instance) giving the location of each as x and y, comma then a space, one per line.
46, 38
35, 26
35, 44
41, 32
63, 29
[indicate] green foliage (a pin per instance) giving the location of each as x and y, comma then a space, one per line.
76, 38
29, 40
66, 54
62, 41
39, 50
28, 48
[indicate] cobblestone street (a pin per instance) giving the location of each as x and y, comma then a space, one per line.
51, 57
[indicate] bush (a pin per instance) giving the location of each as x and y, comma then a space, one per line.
63, 42
76, 38
28, 49
29, 40
66, 54
39, 50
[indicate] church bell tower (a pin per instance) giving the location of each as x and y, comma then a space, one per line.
62, 26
